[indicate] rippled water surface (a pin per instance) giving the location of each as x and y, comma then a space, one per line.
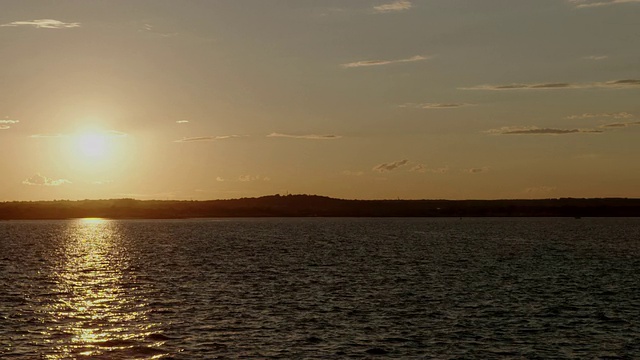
320, 288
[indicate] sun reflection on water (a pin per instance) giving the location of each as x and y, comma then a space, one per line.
99, 309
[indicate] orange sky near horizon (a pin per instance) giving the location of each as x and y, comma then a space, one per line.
360, 100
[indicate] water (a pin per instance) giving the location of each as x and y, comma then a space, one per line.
320, 288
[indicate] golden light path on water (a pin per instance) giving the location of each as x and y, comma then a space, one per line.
99, 310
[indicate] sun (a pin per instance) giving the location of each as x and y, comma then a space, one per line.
92, 145
95, 151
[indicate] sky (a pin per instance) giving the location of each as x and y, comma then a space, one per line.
358, 99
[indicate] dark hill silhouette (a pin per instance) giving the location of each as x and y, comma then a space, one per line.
313, 205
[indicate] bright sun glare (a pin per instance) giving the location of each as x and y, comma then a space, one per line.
95, 150
92, 144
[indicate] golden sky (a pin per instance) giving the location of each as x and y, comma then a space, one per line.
358, 99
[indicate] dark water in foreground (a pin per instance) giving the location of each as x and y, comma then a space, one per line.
320, 288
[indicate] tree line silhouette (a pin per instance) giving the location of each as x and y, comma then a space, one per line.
313, 205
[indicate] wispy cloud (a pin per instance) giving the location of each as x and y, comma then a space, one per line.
533, 130
209, 138
182, 121
422, 168
618, 115
43, 24
596, 57
39, 180
615, 125
6, 123
395, 6
435, 105
599, 3
102, 182
441, 170
309, 137
620, 125
246, 178
385, 167
365, 63
148, 28
614, 84
477, 170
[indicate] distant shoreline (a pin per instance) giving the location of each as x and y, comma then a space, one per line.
316, 206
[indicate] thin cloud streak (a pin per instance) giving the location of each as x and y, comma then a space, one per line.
182, 121
596, 57
422, 168
43, 24
208, 138
533, 130
614, 125
308, 137
366, 63
441, 170
620, 125
247, 178
614, 84
396, 6
385, 167
102, 182
436, 105
477, 170
148, 28
618, 115
599, 3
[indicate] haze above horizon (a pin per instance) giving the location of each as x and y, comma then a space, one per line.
358, 100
